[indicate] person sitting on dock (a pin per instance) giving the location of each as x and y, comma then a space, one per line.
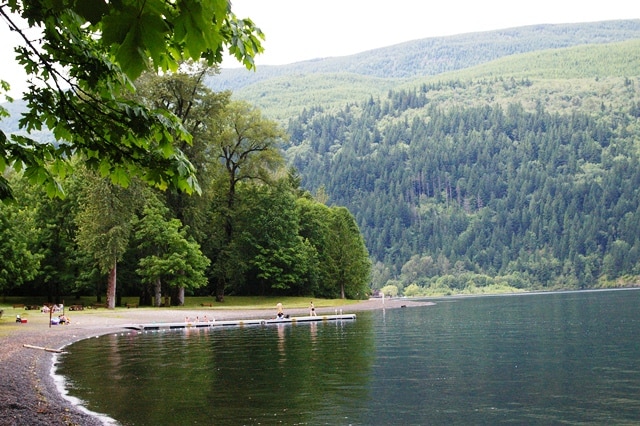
280, 313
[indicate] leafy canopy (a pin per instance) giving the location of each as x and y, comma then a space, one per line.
81, 66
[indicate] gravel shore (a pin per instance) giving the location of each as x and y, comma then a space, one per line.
28, 394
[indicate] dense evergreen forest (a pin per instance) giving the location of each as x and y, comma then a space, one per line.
457, 196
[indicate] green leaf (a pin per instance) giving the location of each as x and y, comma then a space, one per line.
92, 10
120, 177
153, 31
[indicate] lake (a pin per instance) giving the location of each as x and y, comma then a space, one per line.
561, 358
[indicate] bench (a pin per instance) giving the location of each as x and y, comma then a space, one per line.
18, 305
32, 307
76, 308
207, 304
132, 305
99, 305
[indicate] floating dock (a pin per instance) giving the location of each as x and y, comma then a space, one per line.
239, 323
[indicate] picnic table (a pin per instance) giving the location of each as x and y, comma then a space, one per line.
76, 308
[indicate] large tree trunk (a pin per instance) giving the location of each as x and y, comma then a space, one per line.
111, 287
220, 290
146, 296
181, 296
157, 299
228, 235
98, 291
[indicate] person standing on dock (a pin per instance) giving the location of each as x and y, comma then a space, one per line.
312, 310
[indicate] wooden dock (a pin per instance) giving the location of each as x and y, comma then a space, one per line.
239, 323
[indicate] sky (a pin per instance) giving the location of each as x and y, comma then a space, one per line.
298, 30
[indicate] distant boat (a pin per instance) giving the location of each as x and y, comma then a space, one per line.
239, 323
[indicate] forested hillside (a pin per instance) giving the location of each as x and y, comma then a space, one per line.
437, 55
461, 184
519, 172
283, 91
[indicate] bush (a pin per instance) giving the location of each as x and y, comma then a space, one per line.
390, 290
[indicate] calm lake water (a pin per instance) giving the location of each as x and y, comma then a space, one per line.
564, 358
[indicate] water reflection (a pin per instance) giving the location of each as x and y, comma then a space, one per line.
291, 373
544, 359
281, 342
538, 359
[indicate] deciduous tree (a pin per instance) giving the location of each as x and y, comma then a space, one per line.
249, 151
170, 256
82, 61
20, 263
104, 225
200, 110
349, 256
280, 258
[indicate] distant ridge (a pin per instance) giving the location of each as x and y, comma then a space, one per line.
282, 92
432, 56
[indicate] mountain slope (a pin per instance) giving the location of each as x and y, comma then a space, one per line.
437, 55
282, 92
522, 171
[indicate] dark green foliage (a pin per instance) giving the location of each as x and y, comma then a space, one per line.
521, 173
19, 260
277, 256
250, 222
168, 257
285, 243
81, 59
496, 191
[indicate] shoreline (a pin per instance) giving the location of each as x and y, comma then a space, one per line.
30, 395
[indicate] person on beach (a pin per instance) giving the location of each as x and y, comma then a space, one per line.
312, 309
280, 312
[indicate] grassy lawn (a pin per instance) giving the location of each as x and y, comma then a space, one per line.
230, 302
256, 302
191, 303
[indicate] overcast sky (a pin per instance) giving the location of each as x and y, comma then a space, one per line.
297, 30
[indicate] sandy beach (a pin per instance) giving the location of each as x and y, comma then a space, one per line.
29, 395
